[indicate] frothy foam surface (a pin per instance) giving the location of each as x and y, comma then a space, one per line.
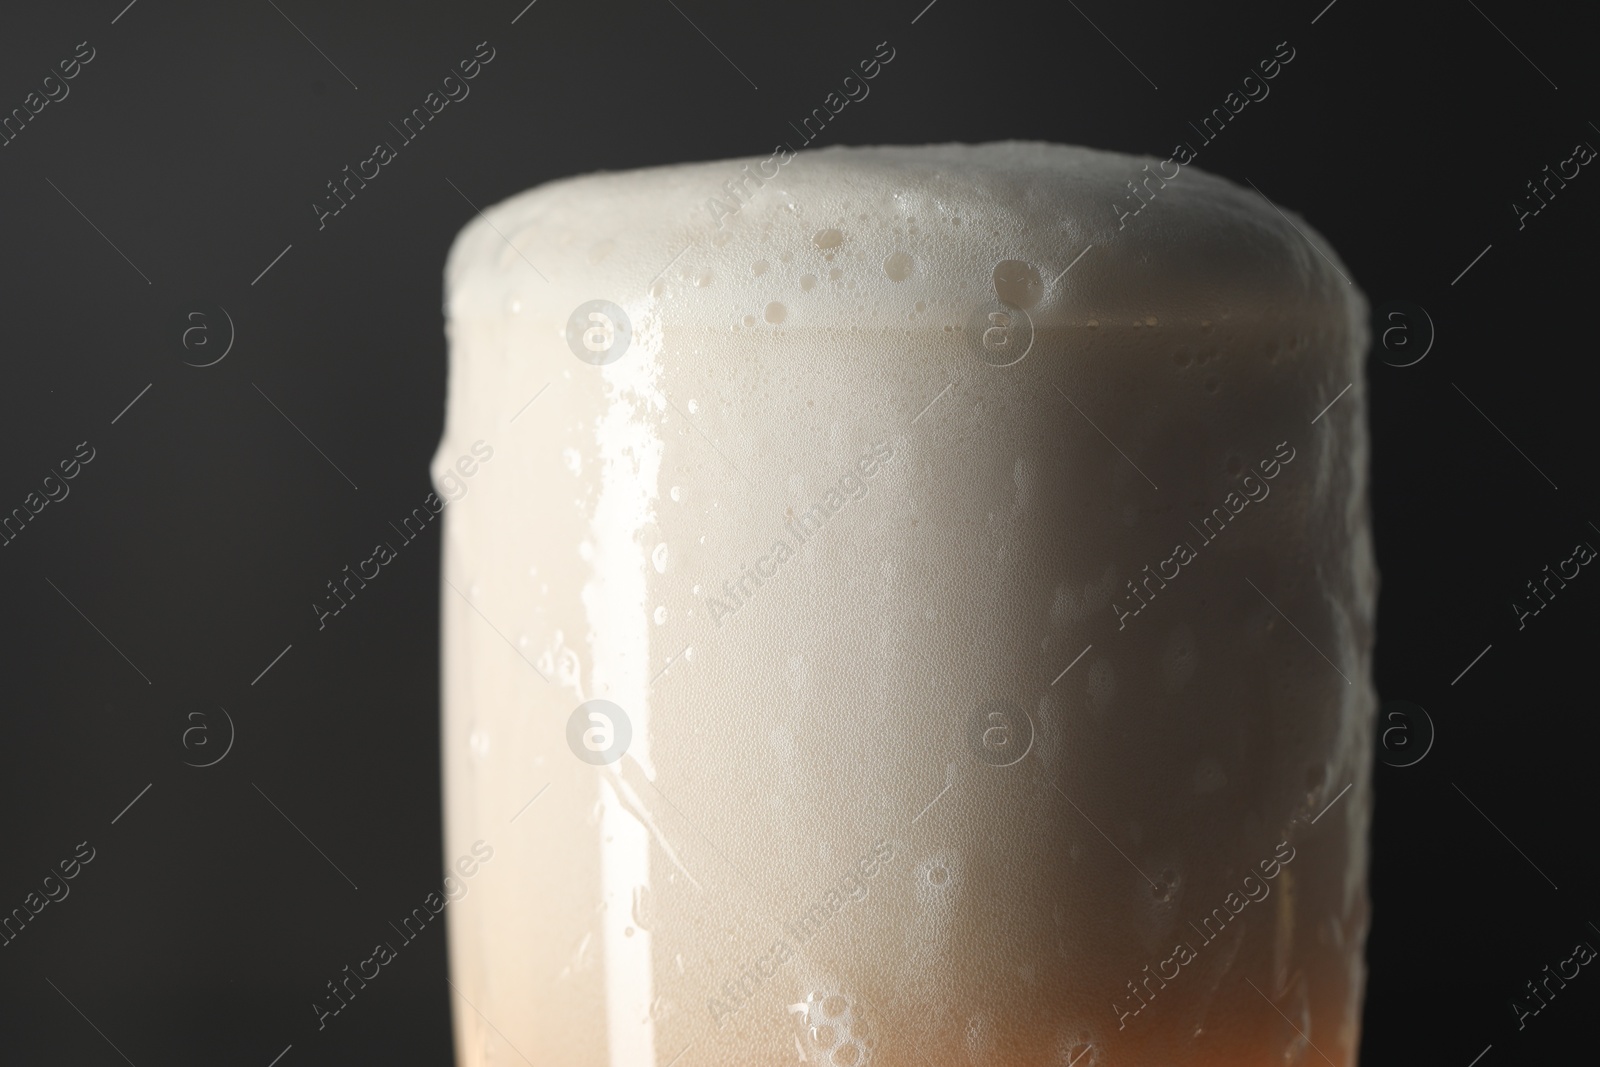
943, 752
897, 238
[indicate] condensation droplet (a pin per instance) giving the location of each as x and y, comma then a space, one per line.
808, 282
775, 312
676, 492
826, 239
1017, 283
898, 266
694, 406
660, 615
759, 267
659, 558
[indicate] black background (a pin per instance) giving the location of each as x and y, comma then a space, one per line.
196, 141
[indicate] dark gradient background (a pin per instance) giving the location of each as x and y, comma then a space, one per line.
196, 141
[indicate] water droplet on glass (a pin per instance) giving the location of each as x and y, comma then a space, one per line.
1017, 284
826, 239
898, 266
775, 312
659, 558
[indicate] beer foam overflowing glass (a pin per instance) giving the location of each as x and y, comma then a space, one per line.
918, 621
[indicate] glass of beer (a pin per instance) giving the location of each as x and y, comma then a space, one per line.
919, 611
